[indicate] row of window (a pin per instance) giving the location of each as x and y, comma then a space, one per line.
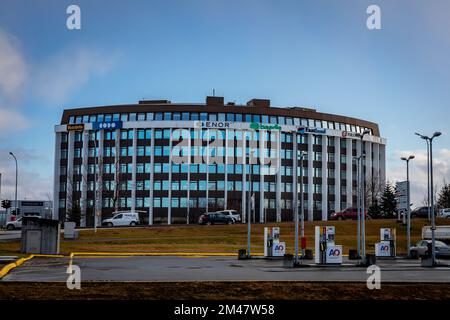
183, 202
206, 116
202, 185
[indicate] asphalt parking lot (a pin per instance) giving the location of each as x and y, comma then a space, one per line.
173, 268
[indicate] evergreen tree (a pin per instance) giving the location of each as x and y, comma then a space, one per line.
388, 201
74, 214
444, 197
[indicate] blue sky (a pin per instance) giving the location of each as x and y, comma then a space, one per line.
310, 53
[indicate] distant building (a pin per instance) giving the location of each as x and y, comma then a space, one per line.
41, 208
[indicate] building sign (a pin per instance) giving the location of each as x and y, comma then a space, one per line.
260, 126
383, 249
107, 125
349, 134
213, 124
279, 249
401, 194
312, 130
75, 127
32, 203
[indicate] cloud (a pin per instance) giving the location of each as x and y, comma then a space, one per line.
12, 121
13, 69
32, 184
418, 171
60, 77
13, 77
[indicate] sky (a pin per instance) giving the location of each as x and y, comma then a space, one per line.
317, 54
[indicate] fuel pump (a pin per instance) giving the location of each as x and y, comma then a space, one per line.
327, 252
387, 247
273, 247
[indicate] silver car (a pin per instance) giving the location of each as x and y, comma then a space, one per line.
444, 213
233, 214
421, 248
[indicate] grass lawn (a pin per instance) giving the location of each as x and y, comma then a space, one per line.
220, 238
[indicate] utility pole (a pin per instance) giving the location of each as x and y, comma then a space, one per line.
363, 196
95, 180
15, 194
433, 218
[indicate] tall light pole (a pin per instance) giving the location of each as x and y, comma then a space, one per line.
408, 195
433, 220
428, 173
363, 215
300, 156
95, 180
249, 198
358, 203
15, 196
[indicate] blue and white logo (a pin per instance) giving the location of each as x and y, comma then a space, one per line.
107, 125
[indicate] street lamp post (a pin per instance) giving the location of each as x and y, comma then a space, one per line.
363, 215
408, 221
15, 194
95, 180
300, 156
428, 180
433, 220
358, 203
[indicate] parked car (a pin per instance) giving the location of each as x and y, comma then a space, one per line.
445, 213
347, 214
236, 216
420, 212
16, 224
122, 219
215, 218
421, 249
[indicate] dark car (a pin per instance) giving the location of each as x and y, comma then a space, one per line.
215, 218
421, 212
347, 214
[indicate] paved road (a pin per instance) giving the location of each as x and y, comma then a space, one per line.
10, 235
216, 268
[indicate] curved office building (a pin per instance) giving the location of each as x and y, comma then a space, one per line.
171, 162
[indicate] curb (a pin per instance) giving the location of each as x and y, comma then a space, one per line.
6, 269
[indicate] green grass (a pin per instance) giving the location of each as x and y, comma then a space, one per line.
220, 238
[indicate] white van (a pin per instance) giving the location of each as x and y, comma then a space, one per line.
122, 219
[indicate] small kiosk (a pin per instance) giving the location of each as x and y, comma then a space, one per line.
326, 251
386, 248
273, 247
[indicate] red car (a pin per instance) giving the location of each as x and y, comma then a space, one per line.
347, 214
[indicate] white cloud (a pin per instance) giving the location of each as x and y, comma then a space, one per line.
32, 184
62, 75
13, 69
12, 121
418, 171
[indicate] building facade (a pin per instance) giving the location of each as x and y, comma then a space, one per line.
42, 208
172, 162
